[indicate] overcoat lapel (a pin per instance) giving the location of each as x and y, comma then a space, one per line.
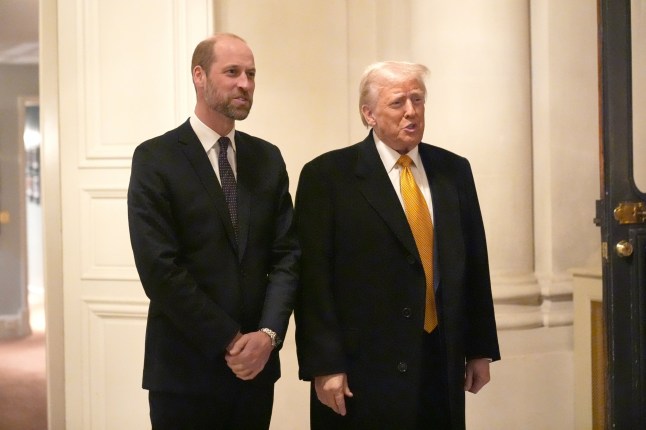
445, 205
378, 191
194, 151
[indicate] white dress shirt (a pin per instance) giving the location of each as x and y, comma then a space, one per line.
209, 140
389, 157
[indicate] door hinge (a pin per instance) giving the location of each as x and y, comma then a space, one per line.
598, 217
630, 213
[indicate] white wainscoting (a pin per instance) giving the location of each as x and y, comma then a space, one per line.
124, 77
112, 364
106, 255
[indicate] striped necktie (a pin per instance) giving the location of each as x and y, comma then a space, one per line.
421, 224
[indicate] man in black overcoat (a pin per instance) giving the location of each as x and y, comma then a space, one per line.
367, 284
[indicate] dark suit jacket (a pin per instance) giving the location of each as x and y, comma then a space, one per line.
203, 287
361, 302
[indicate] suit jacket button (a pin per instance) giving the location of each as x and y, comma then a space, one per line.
402, 367
410, 259
406, 312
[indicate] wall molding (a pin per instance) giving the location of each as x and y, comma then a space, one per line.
108, 134
112, 358
92, 268
528, 301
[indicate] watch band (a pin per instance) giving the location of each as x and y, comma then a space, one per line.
275, 339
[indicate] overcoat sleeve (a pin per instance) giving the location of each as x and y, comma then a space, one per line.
318, 336
482, 340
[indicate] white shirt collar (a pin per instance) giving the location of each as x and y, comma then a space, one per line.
389, 156
207, 136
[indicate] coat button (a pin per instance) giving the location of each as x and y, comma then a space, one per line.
410, 259
406, 312
402, 367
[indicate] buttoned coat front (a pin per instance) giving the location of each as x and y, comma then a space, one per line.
361, 303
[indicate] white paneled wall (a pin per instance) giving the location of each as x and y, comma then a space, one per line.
124, 72
114, 350
105, 255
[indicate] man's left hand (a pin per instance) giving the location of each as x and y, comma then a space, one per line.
477, 374
249, 354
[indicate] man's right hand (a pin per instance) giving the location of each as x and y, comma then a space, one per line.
248, 353
331, 390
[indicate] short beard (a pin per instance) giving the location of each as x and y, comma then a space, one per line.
229, 111
224, 107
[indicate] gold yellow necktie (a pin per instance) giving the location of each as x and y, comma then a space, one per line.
421, 225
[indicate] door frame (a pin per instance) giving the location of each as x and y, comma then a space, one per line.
52, 214
623, 276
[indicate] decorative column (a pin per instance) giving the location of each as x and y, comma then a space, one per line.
565, 111
479, 106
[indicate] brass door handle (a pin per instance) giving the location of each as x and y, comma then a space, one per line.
624, 248
630, 213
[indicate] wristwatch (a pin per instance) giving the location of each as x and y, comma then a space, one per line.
275, 339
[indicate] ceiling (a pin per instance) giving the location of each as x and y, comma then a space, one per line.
18, 31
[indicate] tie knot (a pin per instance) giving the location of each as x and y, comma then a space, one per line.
405, 161
224, 142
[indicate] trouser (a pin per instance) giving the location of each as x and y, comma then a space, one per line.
245, 405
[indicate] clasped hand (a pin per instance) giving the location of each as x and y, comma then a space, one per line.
248, 353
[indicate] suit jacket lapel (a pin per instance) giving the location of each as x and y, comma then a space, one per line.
194, 151
245, 168
378, 191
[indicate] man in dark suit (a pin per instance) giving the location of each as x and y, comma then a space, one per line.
394, 319
210, 220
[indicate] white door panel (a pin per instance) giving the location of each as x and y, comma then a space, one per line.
124, 76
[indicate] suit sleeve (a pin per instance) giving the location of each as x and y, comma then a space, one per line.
318, 337
172, 290
481, 335
285, 253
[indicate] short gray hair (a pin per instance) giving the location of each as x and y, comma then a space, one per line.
394, 71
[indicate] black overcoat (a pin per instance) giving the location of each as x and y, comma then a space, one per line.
361, 303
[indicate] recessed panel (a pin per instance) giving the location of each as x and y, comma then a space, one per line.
115, 363
131, 83
106, 251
